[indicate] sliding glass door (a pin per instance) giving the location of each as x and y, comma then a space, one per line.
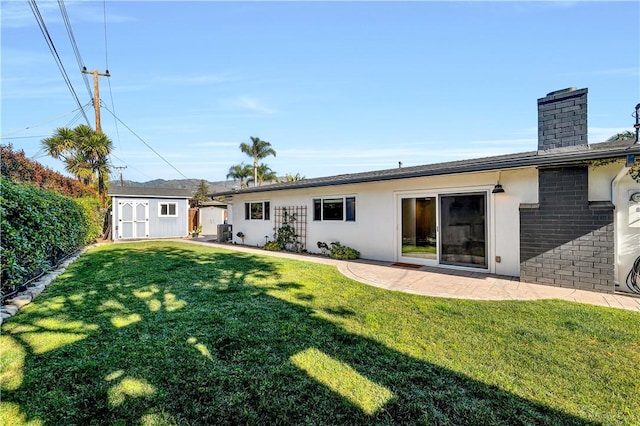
463, 230
419, 227
447, 229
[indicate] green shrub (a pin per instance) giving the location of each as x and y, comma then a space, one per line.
286, 236
38, 229
272, 246
338, 251
93, 217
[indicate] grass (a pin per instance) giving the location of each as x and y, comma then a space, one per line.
173, 333
418, 249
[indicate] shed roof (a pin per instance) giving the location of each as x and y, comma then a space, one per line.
135, 191
551, 157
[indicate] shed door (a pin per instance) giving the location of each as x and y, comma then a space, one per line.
133, 219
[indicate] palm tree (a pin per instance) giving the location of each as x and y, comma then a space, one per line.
258, 150
77, 165
265, 174
96, 148
58, 145
239, 172
293, 178
84, 152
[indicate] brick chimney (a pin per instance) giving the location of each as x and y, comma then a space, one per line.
562, 119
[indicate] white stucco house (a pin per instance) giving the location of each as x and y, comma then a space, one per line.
139, 213
566, 214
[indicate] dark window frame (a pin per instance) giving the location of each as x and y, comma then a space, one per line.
323, 209
251, 210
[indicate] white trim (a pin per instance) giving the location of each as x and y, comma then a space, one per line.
175, 205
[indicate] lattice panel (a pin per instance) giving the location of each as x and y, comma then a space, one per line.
297, 216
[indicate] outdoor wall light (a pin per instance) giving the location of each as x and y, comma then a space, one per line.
498, 189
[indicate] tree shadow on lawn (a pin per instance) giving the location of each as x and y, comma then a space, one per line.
168, 335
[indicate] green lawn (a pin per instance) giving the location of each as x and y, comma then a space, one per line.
174, 333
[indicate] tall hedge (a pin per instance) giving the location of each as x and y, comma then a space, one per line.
38, 228
16, 166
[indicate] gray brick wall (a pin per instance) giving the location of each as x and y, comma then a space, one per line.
562, 119
565, 240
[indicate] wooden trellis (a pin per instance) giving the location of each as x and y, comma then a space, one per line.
296, 216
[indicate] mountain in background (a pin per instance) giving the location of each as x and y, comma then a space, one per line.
190, 184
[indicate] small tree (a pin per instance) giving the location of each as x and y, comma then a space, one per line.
201, 194
627, 134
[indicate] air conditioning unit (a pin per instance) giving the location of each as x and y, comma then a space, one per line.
224, 233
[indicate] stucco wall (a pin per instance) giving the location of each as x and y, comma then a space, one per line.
376, 231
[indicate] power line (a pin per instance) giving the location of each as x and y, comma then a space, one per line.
104, 14
74, 45
106, 62
24, 137
129, 165
54, 52
76, 117
3, 136
147, 145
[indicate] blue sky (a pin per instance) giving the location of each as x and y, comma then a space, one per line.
336, 87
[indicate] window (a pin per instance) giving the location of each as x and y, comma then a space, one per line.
257, 210
168, 209
342, 209
351, 209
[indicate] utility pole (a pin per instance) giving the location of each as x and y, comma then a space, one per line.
96, 93
120, 169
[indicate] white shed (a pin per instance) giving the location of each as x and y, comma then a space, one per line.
212, 214
139, 213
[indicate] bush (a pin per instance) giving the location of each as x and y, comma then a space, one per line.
272, 246
38, 229
14, 165
338, 251
93, 217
